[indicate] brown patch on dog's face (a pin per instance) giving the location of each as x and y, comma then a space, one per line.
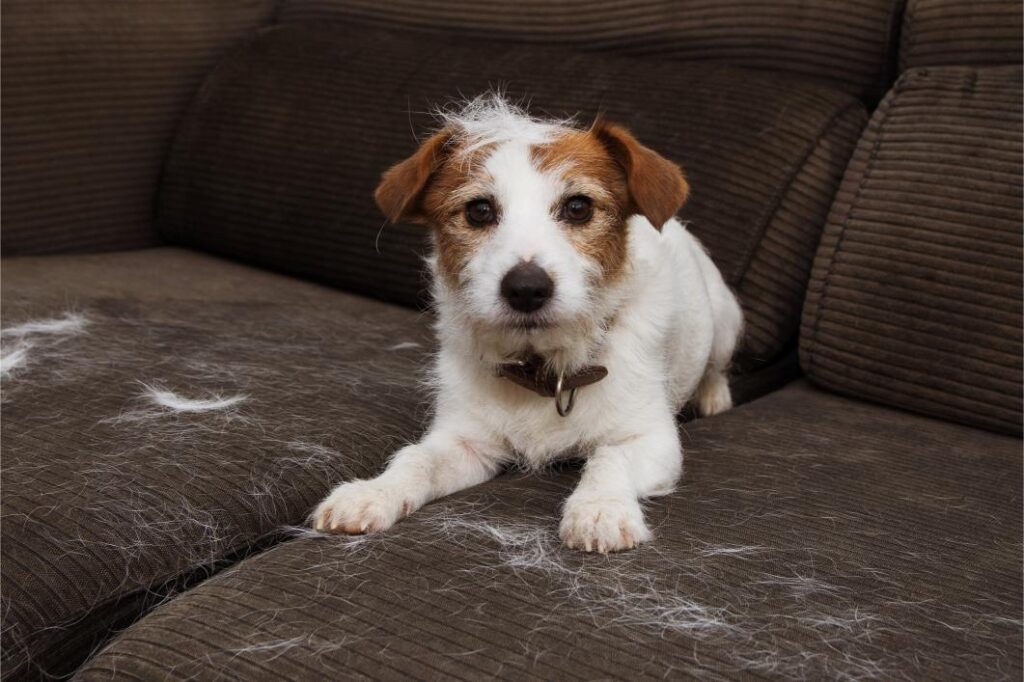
589, 171
458, 182
432, 187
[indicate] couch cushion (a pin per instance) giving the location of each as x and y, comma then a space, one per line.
844, 42
915, 299
813, 537
278, 158
976, 33
114, 494
92, 92
112, 501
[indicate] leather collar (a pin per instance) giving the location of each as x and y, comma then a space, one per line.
535, 376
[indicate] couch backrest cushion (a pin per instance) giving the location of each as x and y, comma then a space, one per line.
844, 41
92, 90
278, 158
915, 297
959, 33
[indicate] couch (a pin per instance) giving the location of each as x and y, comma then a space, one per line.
188, 215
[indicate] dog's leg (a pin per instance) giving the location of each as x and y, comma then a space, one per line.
603, 514
441, 464
713, 393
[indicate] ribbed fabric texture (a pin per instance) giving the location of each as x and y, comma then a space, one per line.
781, 556
915, 297
110, 503
777, 267
845, 41
976, 33
107, 495
279, 156
92, 92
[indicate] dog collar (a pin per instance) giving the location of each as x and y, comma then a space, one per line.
534, 375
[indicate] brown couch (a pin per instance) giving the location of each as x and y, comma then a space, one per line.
187, 191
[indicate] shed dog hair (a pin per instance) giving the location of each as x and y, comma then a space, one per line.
553, 245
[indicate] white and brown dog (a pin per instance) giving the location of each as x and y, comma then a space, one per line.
576, 316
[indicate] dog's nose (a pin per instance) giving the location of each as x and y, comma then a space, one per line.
527, 287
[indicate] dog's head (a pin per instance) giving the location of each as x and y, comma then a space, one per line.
530, 217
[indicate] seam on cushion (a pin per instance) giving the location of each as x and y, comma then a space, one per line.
164, 588
185, 114
897, 90
275, 13
891, 67
908, 32
825, 131
185, 130
768, 216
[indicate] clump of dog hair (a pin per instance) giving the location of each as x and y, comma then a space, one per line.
176, 403
692, 596
13, 358
70, 323
14, 354
605, 591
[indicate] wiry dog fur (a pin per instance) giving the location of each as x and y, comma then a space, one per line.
633, 291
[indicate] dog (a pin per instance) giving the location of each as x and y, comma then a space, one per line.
575, 314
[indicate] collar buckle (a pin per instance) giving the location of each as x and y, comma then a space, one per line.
563, 411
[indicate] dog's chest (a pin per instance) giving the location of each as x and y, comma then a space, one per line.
532, 429
539, 435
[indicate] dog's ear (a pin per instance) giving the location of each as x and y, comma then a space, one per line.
657, 188
401, 187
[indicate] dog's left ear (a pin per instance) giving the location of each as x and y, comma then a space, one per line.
657, 188
401, 187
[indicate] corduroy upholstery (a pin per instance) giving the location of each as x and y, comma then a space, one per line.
976, 33
915, 298
814, 537
107, 496
92, 91
279, 155
847, 42
95, 530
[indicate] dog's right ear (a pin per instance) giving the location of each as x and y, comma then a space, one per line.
401, 187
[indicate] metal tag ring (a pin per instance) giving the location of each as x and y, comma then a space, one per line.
563, 411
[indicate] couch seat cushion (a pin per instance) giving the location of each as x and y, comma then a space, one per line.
276, 162
109, 497
813, 537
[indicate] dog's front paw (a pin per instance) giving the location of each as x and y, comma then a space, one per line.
361, 507
603, 524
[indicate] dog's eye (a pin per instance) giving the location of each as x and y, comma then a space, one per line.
578, 209
480, 213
